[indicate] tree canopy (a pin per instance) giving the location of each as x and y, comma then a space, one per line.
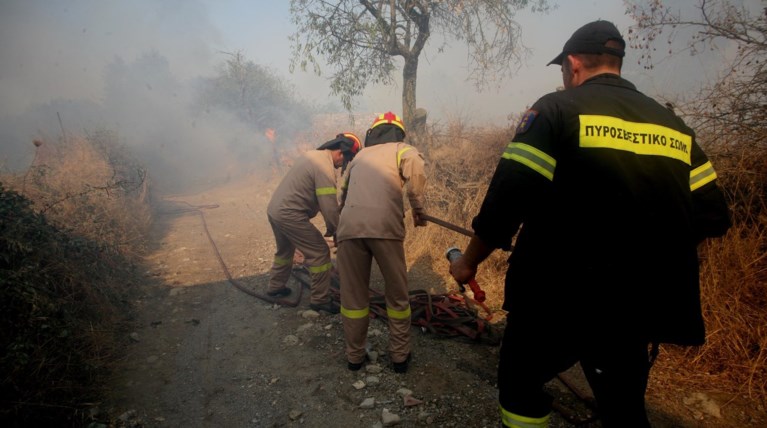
360, 40
257, 95
735, 101
728, 113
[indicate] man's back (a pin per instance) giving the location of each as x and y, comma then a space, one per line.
619, 213
373, 202
300, 193
622, 178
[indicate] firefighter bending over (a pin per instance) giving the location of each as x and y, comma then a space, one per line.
308, 187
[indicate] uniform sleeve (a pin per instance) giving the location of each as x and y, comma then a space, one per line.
344, 187
522, 181
325, 190
711, 214
412, 170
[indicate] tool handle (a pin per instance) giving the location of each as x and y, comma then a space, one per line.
447, 225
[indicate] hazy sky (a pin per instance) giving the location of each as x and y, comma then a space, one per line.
261, 32
52, 49
55, 55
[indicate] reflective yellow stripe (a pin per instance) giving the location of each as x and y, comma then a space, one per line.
398, 315
399, 155
518, 421
325, 191
279, 261
322, 268
641, 138
702, 175
355, 313
531, 157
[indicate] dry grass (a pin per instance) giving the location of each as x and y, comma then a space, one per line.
734, 287
91, 187
461, 161
71, 228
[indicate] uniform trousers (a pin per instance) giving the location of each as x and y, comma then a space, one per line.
355, 258
617, 369
301, 234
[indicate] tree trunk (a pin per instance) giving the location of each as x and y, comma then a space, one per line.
409, 75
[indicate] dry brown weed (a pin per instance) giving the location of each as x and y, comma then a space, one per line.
733, 268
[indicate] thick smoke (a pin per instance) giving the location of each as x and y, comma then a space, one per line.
139, 69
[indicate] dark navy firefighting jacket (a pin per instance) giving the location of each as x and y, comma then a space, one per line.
613, 195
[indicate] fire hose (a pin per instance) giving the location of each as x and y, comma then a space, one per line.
446, 314
197, 209
572, 416
454, 253
442, 314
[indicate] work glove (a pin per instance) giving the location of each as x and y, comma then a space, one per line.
418, 220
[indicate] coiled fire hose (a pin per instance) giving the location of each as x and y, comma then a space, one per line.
446, 315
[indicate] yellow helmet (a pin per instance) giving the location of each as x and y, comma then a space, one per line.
389, 118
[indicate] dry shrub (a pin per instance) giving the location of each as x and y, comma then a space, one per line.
70, 233
92, 187
460, 162
734, 286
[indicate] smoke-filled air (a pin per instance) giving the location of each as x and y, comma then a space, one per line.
155, 76
171, 252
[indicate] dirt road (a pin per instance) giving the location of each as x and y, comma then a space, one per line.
202, 353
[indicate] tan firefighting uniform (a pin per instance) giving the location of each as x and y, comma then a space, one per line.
372, 226
309, 187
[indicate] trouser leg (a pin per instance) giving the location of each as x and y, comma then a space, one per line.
354, 260
618, 375
304, 236
317, 261
521, 377
282, 265
390, 256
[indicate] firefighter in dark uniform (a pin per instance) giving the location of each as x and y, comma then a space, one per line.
613, 195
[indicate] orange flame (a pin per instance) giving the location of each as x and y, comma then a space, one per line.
270, 133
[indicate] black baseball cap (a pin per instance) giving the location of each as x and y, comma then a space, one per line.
591, 38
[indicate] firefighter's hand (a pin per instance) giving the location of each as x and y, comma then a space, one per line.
461, 271
417, 219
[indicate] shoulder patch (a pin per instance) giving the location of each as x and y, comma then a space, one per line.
526, 121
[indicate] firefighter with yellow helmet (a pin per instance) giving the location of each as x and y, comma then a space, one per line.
372, 226
307, 189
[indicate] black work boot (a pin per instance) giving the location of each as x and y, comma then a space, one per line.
356, 366
329, 307
401, 367
280, 292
